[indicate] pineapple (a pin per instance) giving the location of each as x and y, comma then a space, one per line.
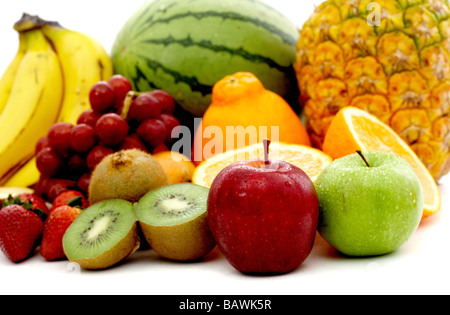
388, 57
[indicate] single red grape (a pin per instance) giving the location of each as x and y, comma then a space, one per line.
42, 185
76, 164
89, 117
133, 142
96, 155
49, 162
121, 86
171, 123
160, 148
59, 137
111, 129
166, 100
152, 131
145, 106
83, 138
41, 143
83, 182
102, 97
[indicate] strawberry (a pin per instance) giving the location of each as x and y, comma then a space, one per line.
20, 231
55, 226
68, 197
28, 200
37, 201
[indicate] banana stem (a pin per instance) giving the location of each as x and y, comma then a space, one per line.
29, 22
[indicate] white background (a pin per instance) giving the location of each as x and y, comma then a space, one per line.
419, 267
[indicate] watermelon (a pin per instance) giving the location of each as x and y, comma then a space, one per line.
186, 46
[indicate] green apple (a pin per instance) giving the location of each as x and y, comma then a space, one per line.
370, 203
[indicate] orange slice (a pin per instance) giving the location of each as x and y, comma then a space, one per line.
353, 129
13, 191
310, 160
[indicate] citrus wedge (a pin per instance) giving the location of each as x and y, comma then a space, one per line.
14, 191
354, 129
310, 160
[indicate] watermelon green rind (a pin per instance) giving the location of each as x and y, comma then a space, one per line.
257, 12
286, 37
185, 47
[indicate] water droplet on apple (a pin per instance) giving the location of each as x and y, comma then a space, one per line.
242, 194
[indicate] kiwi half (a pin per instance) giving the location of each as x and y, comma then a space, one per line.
102, 235
173, 219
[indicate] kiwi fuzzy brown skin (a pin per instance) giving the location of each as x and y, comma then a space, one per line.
127, 175
127, 246
197, 239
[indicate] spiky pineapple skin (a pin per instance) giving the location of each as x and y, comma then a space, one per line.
396, 67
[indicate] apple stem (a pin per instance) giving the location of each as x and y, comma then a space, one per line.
266, 143
363, 157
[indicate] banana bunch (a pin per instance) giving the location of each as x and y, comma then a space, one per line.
47, 81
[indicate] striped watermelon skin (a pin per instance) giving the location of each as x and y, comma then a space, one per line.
186, 46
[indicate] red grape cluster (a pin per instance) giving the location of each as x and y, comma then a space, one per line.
68, 154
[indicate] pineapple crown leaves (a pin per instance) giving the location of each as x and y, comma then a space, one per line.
25, 204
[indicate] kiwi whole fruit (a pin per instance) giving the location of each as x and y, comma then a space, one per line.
102, 235
127, 175
173, 219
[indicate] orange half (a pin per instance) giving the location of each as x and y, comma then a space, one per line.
353, 129
310, 160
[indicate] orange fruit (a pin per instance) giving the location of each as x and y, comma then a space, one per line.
243, 113
354, 129
311, 161
178, 167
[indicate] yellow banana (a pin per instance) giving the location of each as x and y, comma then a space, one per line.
33, 106
84, 62
26, 176
105, 60
7, 80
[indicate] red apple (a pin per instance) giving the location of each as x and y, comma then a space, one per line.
263, 215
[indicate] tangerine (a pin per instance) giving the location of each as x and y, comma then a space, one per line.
243, 113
